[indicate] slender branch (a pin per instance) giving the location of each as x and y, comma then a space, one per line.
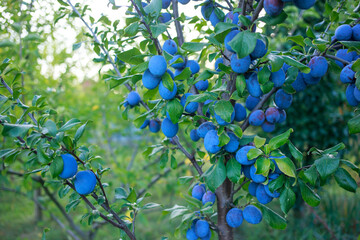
178, 27
338, 59
258, 106
229, 4
257, 11
323, 222
223, 7
18, 100
188, 155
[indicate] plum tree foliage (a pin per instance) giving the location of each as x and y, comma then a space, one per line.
249, 86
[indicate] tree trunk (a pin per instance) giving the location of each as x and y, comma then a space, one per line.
223, 194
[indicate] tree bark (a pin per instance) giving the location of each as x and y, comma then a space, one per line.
223, 193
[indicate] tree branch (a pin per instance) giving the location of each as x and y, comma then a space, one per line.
178, 27
188, 155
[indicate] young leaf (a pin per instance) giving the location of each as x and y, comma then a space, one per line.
280, 140
286, 166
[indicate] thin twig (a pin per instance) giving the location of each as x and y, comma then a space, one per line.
188, 155
178, 27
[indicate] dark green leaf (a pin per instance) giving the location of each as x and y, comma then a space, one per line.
287, 200
56, 167
309, 196
69, 124
345, 180
15, 130
243, 43
216, 175
193, 46
233, 170
327, 165
272, 218
224, 109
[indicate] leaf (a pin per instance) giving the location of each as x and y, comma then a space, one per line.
120, 193
354, 125
287, 200
154, 7
259, 141
6, 62
254, 153
224, 109
184, 75
168, 81
236, 129
262, 165
56, 167
233, 170
272, 218
240, 84
76, 46
345, 180
276, 61
292, 62
311, 175
185, 179
132, 56
151, 205
158, 29
243, 43
132, 196
295, 153
69, 124
15, 130
327, 165
264, 75
175, 110
286, 166
223, 139
193, 46
50, 127
79, 132
274, 20
41, 156
204, 76
280, 140
298, 39
309, 196
223, 26
216, 175
132, 29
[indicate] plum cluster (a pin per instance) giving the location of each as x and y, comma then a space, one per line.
199, 192
84, 181
200, 229
274, 7
347, 76
236, 216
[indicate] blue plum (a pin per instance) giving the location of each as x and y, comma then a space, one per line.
299, 83
245, 169
164, 17
282, 116
193, 65
157, 65
145, 124
273, 7
347, 75
233, 17
272, 115
350, 95
257, 118
318, 66
344, 54
150, 81
179, 65
217, 62
214, 19
191, 235
202, 85
204, 128
274, 194
192, 106
251, 102
168, 128
133, 98
356, 32
240, 112
241, 156
207, 9
268, 127
165, 3
282, 99
184, 2
70, 166
209, 196
154, 126
343, 32
194, 136
260, 50
233, 144
278, 78
240, 65
234, 217
85, 182
166, 93
202, 228
170, 47
304, 4
252, 214
253, 85
357, 93
252, 188
228, 38
211, 142
310, 80
198, 192
262, 196
258, 178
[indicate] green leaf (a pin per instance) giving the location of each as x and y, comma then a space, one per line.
158, 29
204, 76
274, 20
298, 39
185, 179
168, 81
193, 46
223, 139
295, 153
327, 165
354, 125
264, 75
6, 62
224, 109
154, 7
132, 29
236, 129
292, 62
272, 218
276, 61
233, 170
262, 165
76, 46
254, 153
15, 130
243, 43
311, 175
351, 165
216, 175
223, 26
132, 196
175, 110
345, 180
79, 132
309, 196
69, 124
50, 127
131, 56
173, 162
280, 140
259, 141
41, 156
286, 166
56, 167
240, 84
184, 75
287, 200
351, 44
